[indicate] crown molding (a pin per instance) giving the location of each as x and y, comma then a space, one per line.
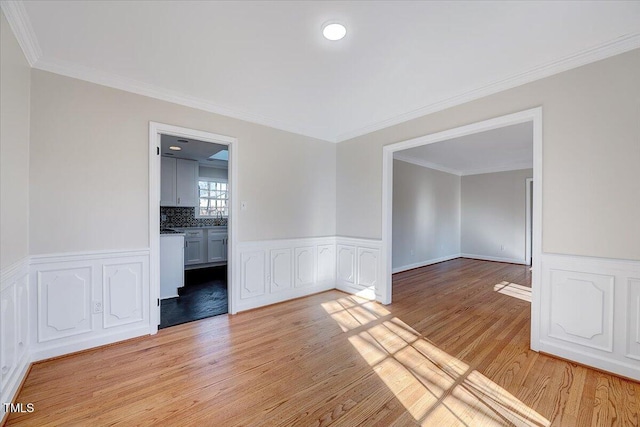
513, 167
134, 86
614, 47
426, 164
20, 24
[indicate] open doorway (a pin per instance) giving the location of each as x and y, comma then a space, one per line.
192, 176
534, 118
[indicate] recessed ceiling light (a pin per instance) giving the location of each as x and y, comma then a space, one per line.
333, 31
175, 148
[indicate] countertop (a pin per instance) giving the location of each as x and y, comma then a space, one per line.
170, 231
181, 230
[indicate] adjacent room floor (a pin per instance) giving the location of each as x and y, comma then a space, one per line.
204, 295
450, 350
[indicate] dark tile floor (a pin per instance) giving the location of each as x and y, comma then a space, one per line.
204, 295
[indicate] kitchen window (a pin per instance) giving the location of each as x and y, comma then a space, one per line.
214, 198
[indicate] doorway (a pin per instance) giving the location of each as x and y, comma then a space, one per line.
533, 115
156, 132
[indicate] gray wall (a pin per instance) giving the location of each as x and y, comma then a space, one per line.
89, 169
426, 214
591, 190
494, 214
15, 75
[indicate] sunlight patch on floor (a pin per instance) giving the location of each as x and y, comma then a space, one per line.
434, 387
513, 290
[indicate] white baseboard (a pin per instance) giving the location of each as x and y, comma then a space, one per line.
284, 296
84, 343
493, 258
424, 263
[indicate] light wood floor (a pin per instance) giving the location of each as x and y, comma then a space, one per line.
449, 351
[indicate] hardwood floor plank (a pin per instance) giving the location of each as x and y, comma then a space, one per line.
450, 350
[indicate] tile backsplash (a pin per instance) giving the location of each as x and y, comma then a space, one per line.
185, 217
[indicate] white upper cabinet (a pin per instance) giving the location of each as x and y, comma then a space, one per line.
178, 182
167, 181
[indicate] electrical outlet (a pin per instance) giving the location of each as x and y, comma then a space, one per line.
97, 307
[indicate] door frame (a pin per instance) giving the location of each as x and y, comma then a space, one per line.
528, 223
534, 115
155, 131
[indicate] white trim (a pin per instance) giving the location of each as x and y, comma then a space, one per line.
141, 88
584, 57
534, 115
20, 24
155, 130
87, 255
424, 263
528, 247
494, 258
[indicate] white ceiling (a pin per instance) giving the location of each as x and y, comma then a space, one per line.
192, 149
502, 149
267, 62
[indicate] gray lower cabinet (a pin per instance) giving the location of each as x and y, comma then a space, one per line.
194, 247
202, 246
216, 247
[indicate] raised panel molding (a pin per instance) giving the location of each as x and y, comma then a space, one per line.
633, 318
272, 271
64, 300
305, 266
368, 263
22, 298
582, 308
122, 291
82, 300
589, 311
14, 328
252, 274
591, 300
281, 274
8, 330
347, 264
326, 263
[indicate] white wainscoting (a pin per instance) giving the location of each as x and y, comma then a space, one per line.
359, 266
15, 356
84, 300
591, 312
272, 271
